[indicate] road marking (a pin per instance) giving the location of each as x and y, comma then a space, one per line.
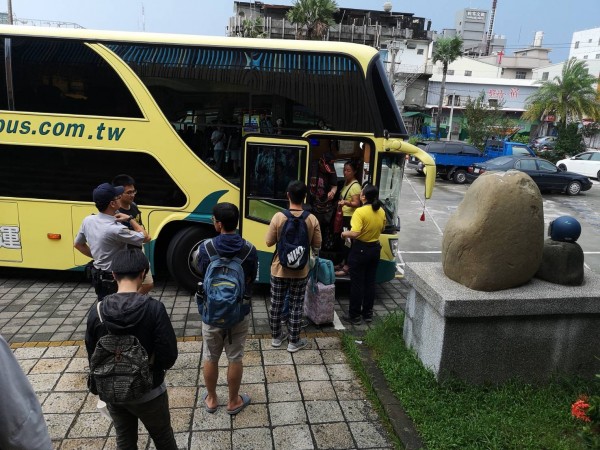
337, 324
424, 206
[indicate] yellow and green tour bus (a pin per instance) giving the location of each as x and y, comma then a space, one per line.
78, 107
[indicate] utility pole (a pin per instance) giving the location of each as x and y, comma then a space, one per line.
9, 10
449, 136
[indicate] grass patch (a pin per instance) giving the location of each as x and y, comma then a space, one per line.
454, 415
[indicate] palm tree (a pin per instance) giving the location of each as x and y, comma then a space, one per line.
317, 15
445, 50
570, 96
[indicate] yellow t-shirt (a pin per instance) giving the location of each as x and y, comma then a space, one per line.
346, 194
368, 223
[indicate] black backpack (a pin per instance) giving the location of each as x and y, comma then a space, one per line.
293, 244
119, 368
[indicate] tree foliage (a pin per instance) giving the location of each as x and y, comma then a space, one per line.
253, 28
482, 121
316, 15
446, 51
570, 96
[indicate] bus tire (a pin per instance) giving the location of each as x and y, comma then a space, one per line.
179, 256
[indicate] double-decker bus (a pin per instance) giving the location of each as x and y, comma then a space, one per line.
78, 107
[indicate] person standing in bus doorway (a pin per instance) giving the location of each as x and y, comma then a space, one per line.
129, 207
102, 235
286, 281
367, 223
218, 139
127, 312
228, 244
234, 146
323, 187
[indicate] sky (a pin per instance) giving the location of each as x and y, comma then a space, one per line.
518, 20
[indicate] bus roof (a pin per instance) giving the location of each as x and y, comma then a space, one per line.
362, 53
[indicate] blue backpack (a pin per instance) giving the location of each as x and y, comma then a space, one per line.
224, 286
293, 246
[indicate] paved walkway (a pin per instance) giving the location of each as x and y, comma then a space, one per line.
310, 399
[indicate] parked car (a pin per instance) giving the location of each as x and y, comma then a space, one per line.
546, 175
541, 141
586, 163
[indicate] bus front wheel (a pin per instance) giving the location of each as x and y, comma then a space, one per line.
180, 256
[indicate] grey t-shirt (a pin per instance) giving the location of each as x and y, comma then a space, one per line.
106, 236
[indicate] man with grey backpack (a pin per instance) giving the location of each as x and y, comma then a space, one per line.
130, 344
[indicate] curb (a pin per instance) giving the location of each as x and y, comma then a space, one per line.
401, 423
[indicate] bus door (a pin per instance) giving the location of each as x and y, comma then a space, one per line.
270, 163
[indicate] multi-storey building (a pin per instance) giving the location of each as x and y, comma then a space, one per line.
585, 44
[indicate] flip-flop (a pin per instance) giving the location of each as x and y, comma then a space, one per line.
245, 402
208, 410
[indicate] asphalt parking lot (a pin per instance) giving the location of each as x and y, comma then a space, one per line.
421, 241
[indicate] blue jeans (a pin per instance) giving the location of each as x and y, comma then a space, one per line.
155, 416
363, 260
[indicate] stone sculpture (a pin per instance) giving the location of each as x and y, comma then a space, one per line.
495, 239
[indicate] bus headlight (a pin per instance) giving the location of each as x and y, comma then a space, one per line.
394, 247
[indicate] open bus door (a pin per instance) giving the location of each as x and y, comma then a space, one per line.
269, 164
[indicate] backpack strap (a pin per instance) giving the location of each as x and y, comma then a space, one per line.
102, 322
243, 253
211, 250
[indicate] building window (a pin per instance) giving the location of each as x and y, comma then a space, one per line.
545, 76
468, 73
420, 51
597, 55
521, 75
577, 44
493, 102
450, 72
590, 41
585, 56
450, 98
502, 71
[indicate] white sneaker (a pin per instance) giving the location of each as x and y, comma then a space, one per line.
295, 346
276, 342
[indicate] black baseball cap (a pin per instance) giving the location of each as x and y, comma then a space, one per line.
106, 192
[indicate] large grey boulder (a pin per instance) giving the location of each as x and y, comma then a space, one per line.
562, 263
495, 239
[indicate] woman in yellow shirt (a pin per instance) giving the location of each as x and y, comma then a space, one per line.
367, 222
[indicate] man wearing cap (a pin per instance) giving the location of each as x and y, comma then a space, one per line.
104, 234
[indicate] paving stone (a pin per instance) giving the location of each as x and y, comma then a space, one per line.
308, 356
182, 396
181, 419
252, 358
317, 390
323, 411
333, 435
211, 440
278, 374
256, 391
349, 390
369, 436
89, 425
277, 358
83, 444
187, 361
52, 365
76, 381
255, 374
287, 413
340, 372
312, 372
63, 402
297, 437
283, 392
77, 365
43, 382
251, 439
253, 415
181, 378
58, 424
27, 364
358, 410
189, 347
333, 357
203, 420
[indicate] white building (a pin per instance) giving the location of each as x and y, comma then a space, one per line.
585, 44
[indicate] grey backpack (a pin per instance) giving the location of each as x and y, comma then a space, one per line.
119, 368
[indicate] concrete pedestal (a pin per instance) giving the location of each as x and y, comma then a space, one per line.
530, 332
